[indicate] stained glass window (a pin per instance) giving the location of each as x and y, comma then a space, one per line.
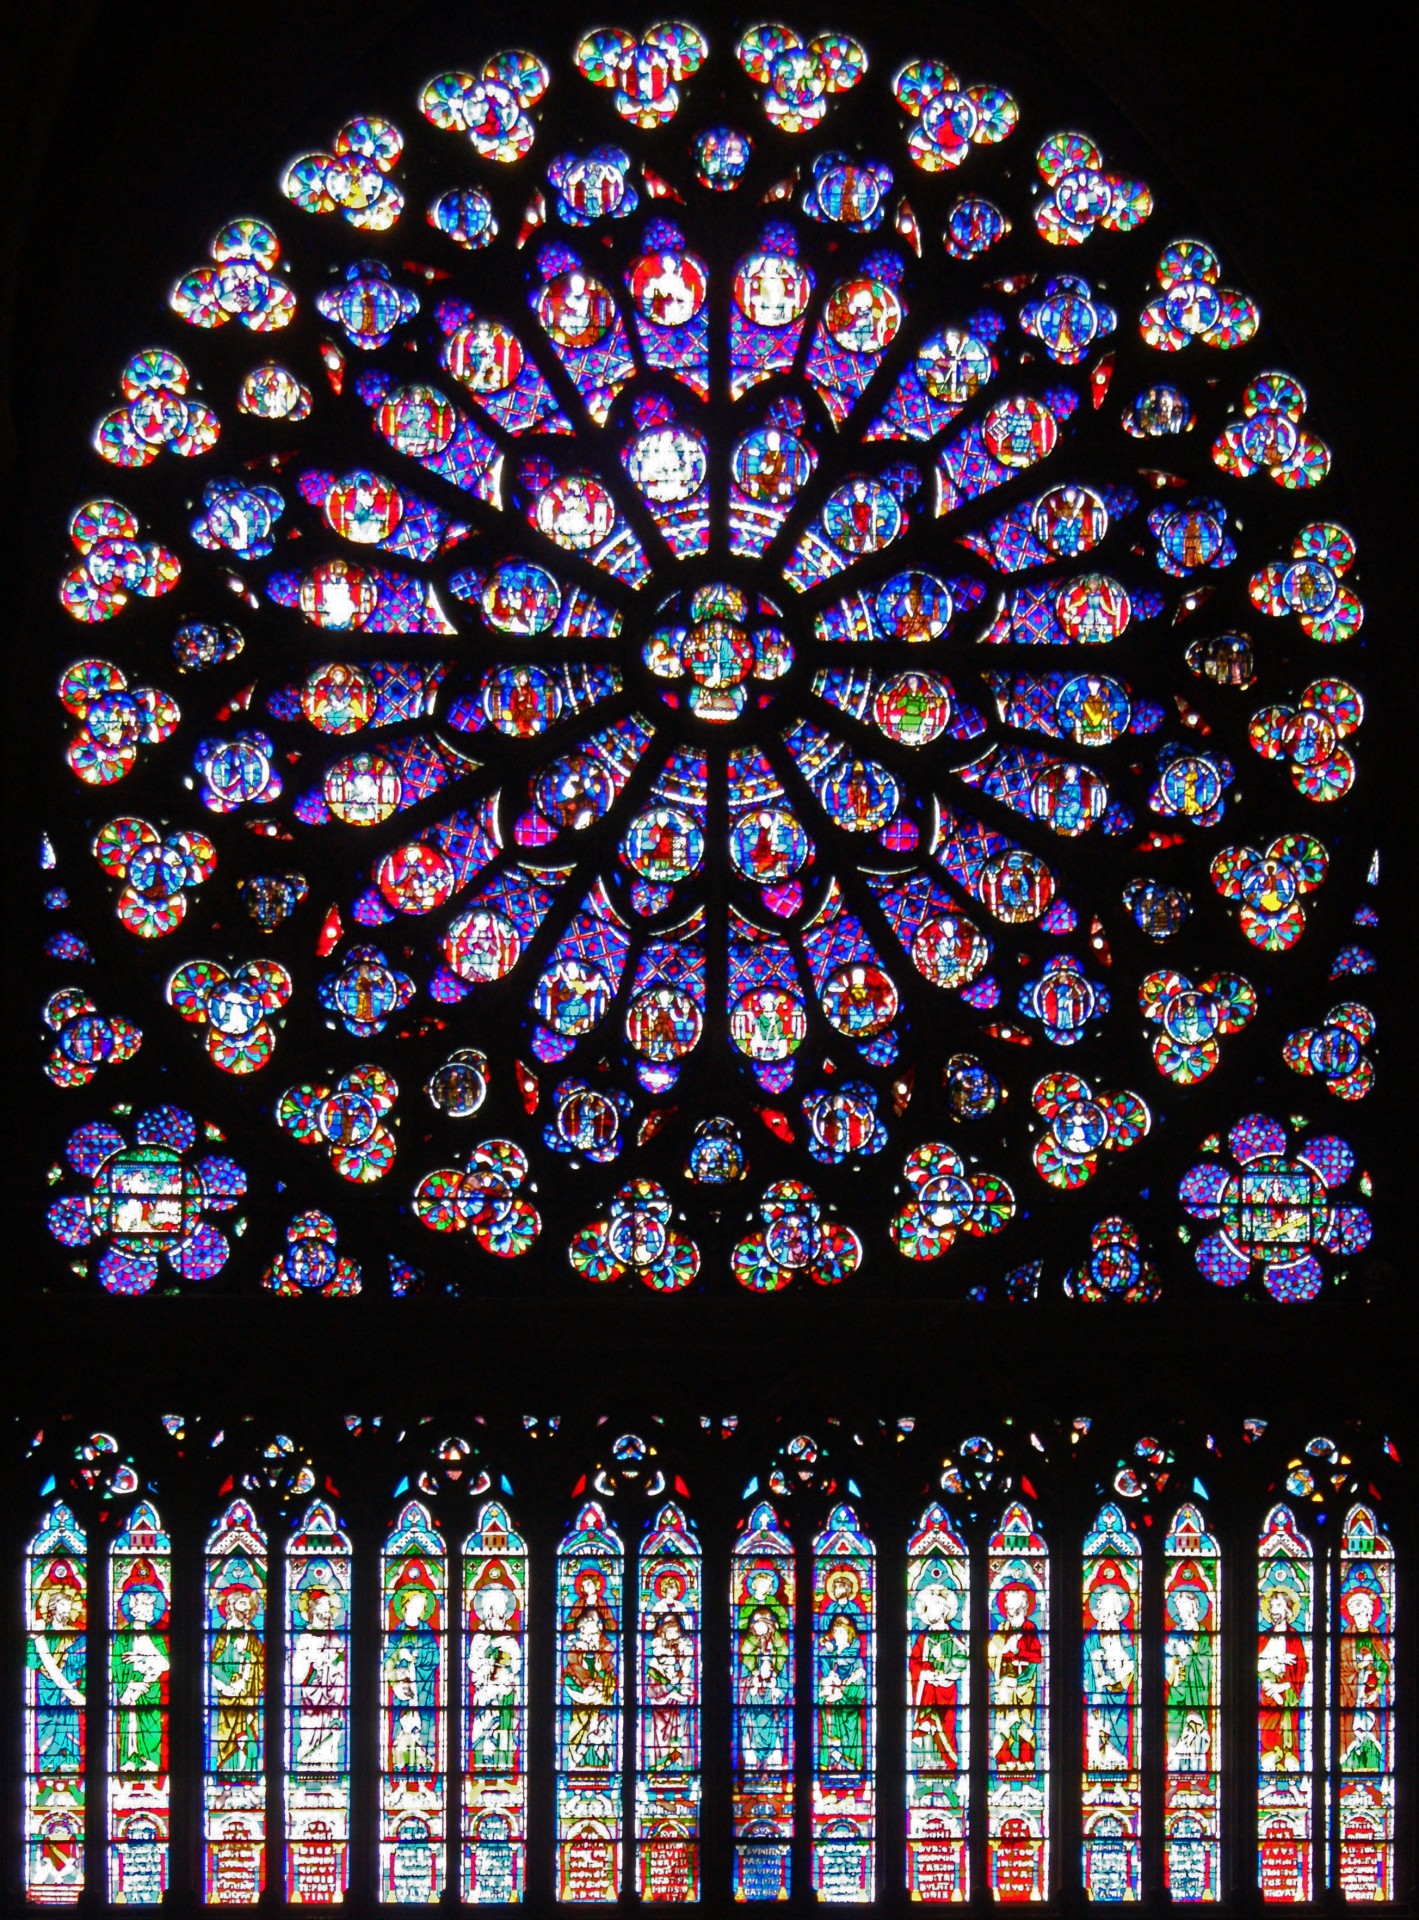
785, 632
763, 1617
413, 1813
494, 1721
1286, 1756
1113, 1709
1362, 1667
590, 1708
234, 1710
139, 1780
1017, 1663
844, 1711
668, 1724
317, 1777
56, 1708
1192, 1679
938, 1709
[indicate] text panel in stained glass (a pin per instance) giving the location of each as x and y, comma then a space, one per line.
1192, 1678
1113, 1711
413, 1812
317, 1704
1017, 1664
494, 1715
668, 1711
763, 1616
1286, 1758
844, 1711
234, 1707
56, 1709
590, 1708
140, 1648
1363, 1678
938, 1709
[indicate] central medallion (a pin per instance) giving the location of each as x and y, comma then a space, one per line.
716, 648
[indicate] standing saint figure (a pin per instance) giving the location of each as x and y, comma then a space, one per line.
1187, 1675
1364, 1683
1110, 1672
764, 1678
238, 1668
411, 1673
589, 1675
139, 1665
1281, 1679
494, 1677
842, 1696
937, 1663
1014, 1656
319, 1684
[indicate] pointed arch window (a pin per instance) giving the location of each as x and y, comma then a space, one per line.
938, 1709
1017, 1661
1113, 1710
763, 1618
56, 1708
590, 1702
1192, 1681
1363, 1670
139, 1781
234, 1710
413, 1706
494, 1720
1285, 1746
844, 1711
317, 1784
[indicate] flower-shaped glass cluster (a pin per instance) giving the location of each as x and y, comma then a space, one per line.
365, 992
1274, 1212
1270, 886
492, 106
1308, 737
115, 720
1064, 1000
1194, 305
1334, 1051
947, 1200
114, 563
272, 392
85, 1039
350, 1120
368, 305
1116, 1268
353, 178
156, 870
794, 1240
636, 1235
1082, 195
310, 1262
948, 118
1068, 319
799, 79
714, 645
1309, 584
483, 1199
643, 75
1192, 536
1270, 439
234, 1005
241, 286
159, 413
1082, 1124
238, 517
1191, 1019
147, 1201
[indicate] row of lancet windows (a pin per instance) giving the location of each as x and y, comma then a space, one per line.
105, 1644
